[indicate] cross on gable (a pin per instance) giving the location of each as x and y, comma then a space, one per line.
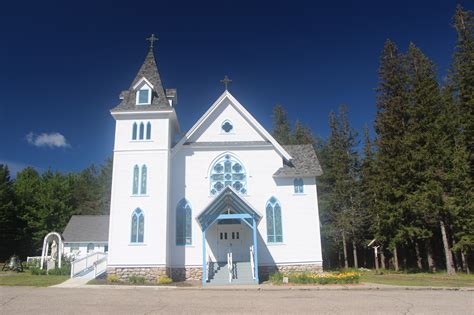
226, 81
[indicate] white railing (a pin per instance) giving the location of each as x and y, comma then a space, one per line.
100, 266
91, 260
208, 267
252, 261
230, 266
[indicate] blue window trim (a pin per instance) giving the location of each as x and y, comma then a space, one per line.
272, 236
225, 171
184, 213
298, 186
139, 222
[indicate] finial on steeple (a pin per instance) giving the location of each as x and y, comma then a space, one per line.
226, 81
152, 39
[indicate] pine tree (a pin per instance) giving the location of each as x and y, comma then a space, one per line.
10, 231
302, 135
281, 127
392, 163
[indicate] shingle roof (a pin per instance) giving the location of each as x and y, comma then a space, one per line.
87, 228
148, 70
305, 163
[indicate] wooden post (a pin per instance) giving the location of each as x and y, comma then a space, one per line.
376, 260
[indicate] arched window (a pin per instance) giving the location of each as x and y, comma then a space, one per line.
134, 131
228, 171
184, 235
138, 226
298, 185
136, 175
274, 229
143, 180
148, 131
227, 126
142, 131
90, 247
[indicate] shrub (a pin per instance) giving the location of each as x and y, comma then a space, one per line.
136, 280
276, 278
113, 278
63, 271
164, 280
317, 278
37, 272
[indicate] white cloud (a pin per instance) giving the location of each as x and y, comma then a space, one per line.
50, 140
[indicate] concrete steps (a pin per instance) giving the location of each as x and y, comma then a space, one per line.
242, 274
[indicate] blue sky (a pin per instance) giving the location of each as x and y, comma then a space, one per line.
62, 66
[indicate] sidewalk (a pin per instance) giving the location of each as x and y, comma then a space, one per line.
82, 283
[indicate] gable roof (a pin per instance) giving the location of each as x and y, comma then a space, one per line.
87, 228
251, 120
305, 163
149, 72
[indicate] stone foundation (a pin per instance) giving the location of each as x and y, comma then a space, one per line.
265, 271
149, 273
190, 273
195, 273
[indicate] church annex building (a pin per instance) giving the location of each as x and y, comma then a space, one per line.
225, 203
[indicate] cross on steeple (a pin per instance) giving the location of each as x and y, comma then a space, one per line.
226, 81
152, 39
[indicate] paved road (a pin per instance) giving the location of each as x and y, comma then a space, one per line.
21, 300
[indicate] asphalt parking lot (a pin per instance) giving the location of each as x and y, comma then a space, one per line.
27, 300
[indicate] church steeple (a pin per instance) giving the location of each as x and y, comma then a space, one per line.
149, 75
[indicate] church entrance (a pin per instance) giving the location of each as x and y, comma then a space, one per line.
232, 226
230, 238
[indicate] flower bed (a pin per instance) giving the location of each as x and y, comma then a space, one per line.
316, 278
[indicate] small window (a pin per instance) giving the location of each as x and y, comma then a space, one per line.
184, 223
237, 237
90, 247
148, 131
142, 131
233, 235
227, 126
298, 185
134, 131
144, 95
274, 224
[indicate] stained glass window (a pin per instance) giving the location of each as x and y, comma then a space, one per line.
183, 223
136, 175
143, 180
228, 171
138, 226
274, 225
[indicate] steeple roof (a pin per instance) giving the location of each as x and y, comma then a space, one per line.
148, 71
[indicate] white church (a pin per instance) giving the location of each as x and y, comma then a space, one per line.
222, 203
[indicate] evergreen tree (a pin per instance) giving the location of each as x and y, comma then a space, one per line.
105, 184
392, 162
281, 127
302, 135
10, 224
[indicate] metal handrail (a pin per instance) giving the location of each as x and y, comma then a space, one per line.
252, 261
230, 265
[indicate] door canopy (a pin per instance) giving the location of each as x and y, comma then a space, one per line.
228, 202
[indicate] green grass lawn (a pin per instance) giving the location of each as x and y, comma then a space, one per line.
419, 279
27, 279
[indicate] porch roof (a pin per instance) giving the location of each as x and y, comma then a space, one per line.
227, 201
